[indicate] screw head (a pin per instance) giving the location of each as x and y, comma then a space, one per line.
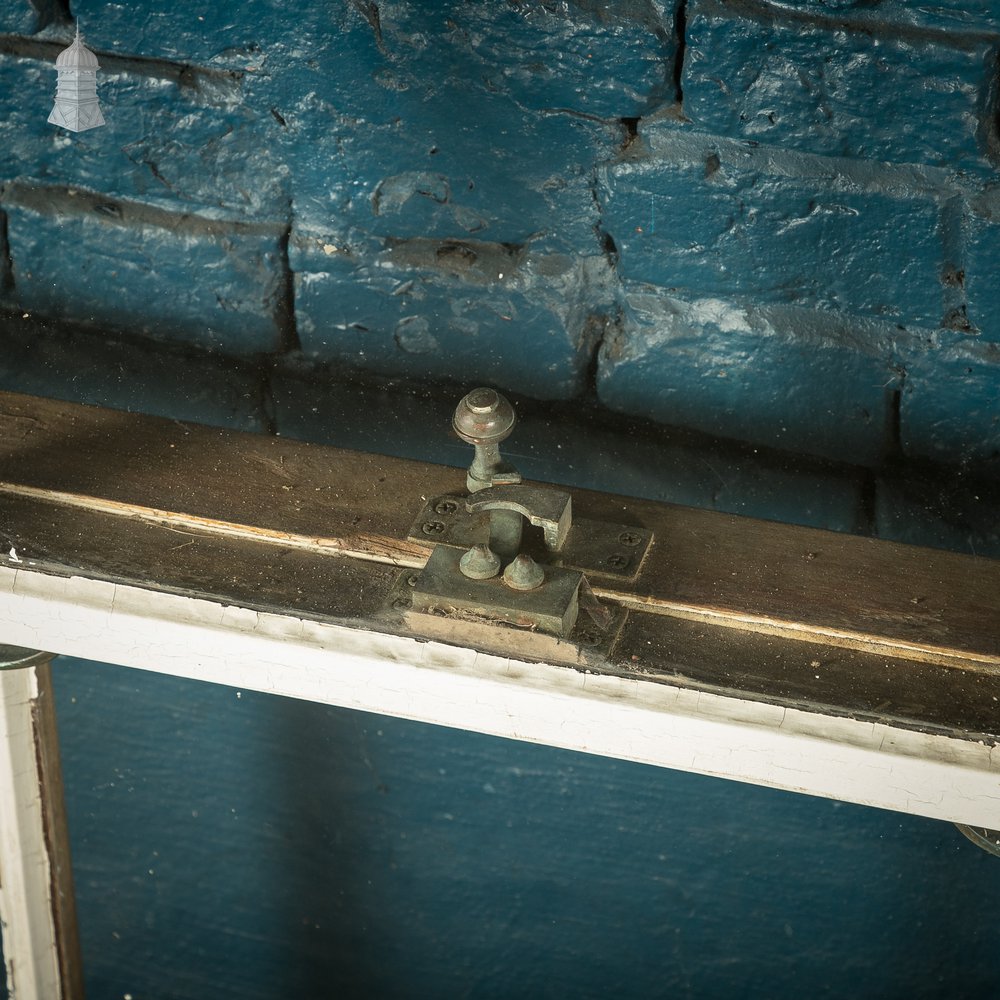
432, 528
400, 603
445, 507
629, 538
411, 580
617, 561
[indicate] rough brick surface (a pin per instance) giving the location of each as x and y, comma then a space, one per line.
953, 15
960, 516
981, 267
40, 360
607, 61
950, 406
782, 378
454, 167
827, 176
99, 267
883, 96
467, 310
698, 217
162, 145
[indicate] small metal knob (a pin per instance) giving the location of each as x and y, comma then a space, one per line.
484, 418
480, 563
523, 574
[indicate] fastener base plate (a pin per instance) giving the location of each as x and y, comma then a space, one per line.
553, 607
596, 548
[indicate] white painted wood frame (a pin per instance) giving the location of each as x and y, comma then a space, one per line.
631, 719
37, 918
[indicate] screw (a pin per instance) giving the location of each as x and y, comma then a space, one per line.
445, 507
617, 561
400, 603
432, 527
629, 538
411, 580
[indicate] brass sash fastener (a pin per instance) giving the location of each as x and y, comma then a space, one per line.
488, 567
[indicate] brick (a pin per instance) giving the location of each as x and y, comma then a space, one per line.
711, 219
438, 124
450, 166
979, 277
160, 146
17, 17
41, 361
213, 33
780, 378
950, 405
612, 61
953, 15
466, 310
890, 95
940, 512
105, 269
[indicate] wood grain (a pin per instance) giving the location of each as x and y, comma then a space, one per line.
742, 573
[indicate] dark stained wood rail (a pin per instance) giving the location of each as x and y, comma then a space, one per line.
833, 623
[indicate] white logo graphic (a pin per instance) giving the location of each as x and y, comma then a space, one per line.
76, 106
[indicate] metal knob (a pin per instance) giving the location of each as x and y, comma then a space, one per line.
484, 418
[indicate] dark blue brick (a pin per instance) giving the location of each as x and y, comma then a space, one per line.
463, 310
890, 96
104, 269
954, 15
420, 129
604, 62
159, 146
41, 361
17, 17
950, 406
982, 266
781, 378
450, 165
940, 513
612, 61
199, 34
702, 218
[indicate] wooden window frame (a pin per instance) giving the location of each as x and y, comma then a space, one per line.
812, 661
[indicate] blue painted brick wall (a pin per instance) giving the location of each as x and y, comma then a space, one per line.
155, 275
707, 218
880, 94
834, 158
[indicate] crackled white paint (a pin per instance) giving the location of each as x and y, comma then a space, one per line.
26, 916
635, 720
